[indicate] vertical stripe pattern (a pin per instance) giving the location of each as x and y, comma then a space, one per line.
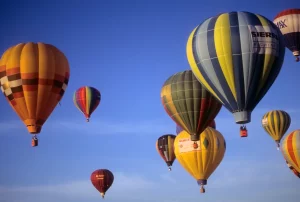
288, 21
102, 180
188, 103
237, 57
201, 163
276, 123
212, 124
34, 78
165, 148
87, 99
290, 148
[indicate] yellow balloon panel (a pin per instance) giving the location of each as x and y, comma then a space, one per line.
291, 149
200, 161
34, 77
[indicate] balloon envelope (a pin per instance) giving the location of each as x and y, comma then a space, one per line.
276, 123
288, 21
102, 180
188, 103
201, 161
34, 77
237, 57
290, 149
165, 148
212, 125
87, 99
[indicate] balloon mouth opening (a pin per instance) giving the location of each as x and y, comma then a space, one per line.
202, 182
194, 137
242, 117
34, 129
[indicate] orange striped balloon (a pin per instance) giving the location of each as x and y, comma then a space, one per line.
291, 149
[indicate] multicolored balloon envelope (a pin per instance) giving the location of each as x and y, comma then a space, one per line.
188, 103
288, 21
212, 125
165, 148
102, 180
34, 78
290, 149
201, 159
237, 57
276, 123
87, 99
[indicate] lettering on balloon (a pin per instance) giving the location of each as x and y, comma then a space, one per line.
281, 24
186, 145
265, 122
265, 40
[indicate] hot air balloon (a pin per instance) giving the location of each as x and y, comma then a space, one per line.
293, 169
165, 148
276, 123
87, 99
288, 21
212, 124
200, 160
34, 77
237, 57
290, 149
102, 180
188, 103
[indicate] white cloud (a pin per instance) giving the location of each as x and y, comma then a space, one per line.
124, 184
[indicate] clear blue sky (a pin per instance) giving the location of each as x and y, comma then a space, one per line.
127, 49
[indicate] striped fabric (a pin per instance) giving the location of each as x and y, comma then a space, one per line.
165, 148
188, 103
276, 123
288, 21
179, 129
237, 57
87, 99
34, 77
102, 180
290, 148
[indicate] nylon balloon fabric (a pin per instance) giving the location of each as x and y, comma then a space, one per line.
188, 103
237, 56
288, 21
290, 149
102, 180
87, 99
34, 78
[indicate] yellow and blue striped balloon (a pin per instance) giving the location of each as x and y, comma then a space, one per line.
237, 57
276, 123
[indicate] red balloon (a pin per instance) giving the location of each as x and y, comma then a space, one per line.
102, 179
212, 124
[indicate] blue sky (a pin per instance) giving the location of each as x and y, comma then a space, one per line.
127, 49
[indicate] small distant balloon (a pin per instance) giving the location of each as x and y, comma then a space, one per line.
87, 99
165, 148
102, 180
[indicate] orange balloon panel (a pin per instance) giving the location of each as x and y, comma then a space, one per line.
34, 77
290, 149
